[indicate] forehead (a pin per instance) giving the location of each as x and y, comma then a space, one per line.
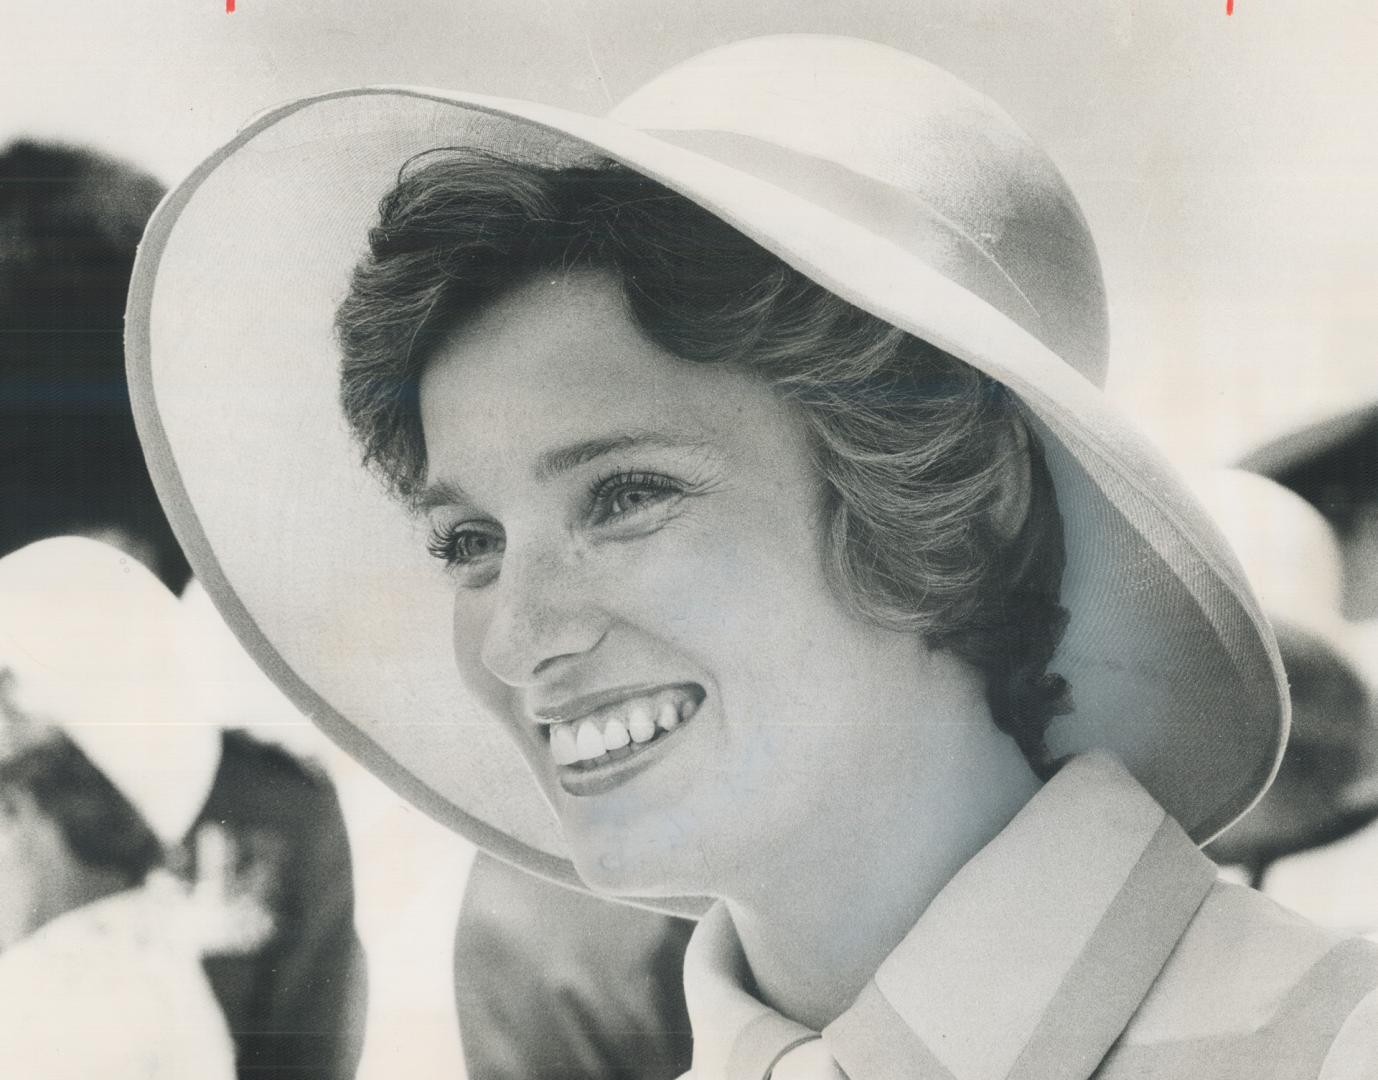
559, 361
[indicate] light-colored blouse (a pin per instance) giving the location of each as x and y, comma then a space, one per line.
1091, 938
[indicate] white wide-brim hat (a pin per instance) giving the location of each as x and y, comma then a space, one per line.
94, 645
876, 174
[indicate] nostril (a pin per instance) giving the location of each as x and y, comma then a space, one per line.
545, 665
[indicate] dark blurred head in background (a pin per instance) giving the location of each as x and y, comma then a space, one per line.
1322, 791
70, 460
1333, 465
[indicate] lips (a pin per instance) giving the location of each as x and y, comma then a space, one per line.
621, 728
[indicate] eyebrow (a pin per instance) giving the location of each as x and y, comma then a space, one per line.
554, 462
441, 493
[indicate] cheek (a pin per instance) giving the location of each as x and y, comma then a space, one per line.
747, 599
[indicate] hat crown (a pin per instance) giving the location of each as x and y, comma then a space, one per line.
907, 150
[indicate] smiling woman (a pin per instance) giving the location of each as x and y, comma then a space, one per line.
601, 597
783, 530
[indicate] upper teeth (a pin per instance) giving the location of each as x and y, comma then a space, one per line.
617, 726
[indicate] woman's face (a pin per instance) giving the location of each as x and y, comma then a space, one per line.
640, 598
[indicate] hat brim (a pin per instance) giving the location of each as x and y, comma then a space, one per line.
327, 583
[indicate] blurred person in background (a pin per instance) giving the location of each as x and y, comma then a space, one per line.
103, 768
1333, 465
1327, 786
270, 835
71, 463
1328, 455
293, 992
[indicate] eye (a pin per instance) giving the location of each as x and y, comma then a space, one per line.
466, 547
625, 494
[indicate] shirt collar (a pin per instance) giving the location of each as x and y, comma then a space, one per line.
1029, 963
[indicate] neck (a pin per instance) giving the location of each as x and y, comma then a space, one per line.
819, 924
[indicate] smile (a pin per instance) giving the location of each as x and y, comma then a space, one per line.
600, 749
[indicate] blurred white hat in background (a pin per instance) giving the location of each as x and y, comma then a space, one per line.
97, 647
1287, 549
231, 690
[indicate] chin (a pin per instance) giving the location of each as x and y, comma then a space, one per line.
650, 858
617, 846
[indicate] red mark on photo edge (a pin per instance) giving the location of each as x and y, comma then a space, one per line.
229, 6
1229, 6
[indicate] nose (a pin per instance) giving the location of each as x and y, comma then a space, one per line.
543, 616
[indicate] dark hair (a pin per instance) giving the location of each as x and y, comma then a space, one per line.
102, 830
1337, 480
70, 459
910, 442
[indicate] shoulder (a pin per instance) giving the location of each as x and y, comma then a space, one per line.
1252, 982
1250, 956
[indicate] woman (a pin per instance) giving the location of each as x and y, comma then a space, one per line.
785, 535
102, 773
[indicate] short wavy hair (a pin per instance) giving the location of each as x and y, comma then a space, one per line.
911, 443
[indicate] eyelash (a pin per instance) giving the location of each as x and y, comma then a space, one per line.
608, 487
446, 542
